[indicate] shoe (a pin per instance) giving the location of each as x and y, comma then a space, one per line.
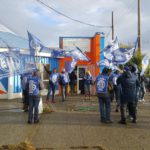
122, 122
108, 121
116, 110
29, 122
36, 121
134, 121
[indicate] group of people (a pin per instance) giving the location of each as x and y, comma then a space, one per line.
127, 87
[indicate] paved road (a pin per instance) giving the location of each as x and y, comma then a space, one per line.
74, 123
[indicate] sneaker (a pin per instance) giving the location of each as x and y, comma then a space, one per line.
29, 122
116, 110
134, 121
36, 121
122, 122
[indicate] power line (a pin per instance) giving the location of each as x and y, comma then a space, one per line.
66, 16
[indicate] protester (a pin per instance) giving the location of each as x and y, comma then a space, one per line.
53, 82
24, 78
103, 88
88, 79
64, 81
34, 97
129, 84
142, 88
117, 89
73, 81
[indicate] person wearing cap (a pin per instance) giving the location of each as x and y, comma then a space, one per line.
103, 88
128, 95
34, 86
64, 81
87, 84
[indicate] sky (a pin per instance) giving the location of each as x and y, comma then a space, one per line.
18, 16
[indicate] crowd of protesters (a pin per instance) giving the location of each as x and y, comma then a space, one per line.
126, 86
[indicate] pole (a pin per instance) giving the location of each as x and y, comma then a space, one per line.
112, 25
139, 26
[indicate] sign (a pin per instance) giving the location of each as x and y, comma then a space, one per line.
83, 43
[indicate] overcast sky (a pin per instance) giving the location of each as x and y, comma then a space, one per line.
22, 15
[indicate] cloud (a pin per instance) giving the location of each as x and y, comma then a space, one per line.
23, 15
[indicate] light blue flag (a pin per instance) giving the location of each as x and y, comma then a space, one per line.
76, 54
35, 44
111, 47
70, 66
105, 63
145, 63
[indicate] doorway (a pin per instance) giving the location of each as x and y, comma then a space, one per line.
80, 82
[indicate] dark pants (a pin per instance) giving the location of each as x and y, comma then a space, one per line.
52, 88
33, 105
142, 93
131, 108
105, 108
72, 87
64, 90
25, 97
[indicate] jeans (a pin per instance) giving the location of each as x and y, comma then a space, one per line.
131, 108
52, 88
105, 108
64, 89
33, 105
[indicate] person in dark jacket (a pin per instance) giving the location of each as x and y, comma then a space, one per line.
73, 80
129, 84
103, 88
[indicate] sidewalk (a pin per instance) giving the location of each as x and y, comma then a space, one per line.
71, 126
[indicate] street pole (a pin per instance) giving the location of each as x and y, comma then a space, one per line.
139, 26
112, 25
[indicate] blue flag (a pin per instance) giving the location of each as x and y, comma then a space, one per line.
70, 66
35, 44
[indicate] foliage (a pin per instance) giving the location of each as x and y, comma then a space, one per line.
137, 59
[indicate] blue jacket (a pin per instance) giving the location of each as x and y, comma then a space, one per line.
129, 84
34, 86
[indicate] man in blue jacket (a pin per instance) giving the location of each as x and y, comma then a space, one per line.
103, 88
128, 96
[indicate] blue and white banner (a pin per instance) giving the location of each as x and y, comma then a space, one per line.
117, 55
13, 63
35, 44
70, 66
76, 54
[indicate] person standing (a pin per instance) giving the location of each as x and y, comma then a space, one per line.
87, 84
24, 78
129, 84
117, 89
34, 97
103, 88
73, 80
64, 81
53, 82
142, 88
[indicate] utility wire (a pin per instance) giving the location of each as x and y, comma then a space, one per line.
66, 16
